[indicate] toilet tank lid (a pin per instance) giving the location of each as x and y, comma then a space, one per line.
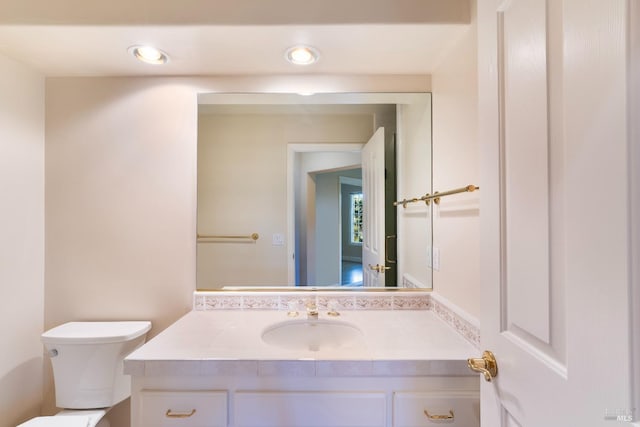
95, 332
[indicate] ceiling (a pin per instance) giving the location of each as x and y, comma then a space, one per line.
378, 37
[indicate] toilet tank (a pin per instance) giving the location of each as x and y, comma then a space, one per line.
87, 360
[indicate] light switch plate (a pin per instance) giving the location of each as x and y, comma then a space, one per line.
436, 259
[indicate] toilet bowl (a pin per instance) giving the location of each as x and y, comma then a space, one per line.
87, 360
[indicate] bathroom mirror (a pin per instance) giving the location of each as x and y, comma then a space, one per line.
282, 190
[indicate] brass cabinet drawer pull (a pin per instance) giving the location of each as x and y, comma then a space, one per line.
449, 416
171, 414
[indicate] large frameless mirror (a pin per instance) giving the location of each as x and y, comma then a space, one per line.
298, 191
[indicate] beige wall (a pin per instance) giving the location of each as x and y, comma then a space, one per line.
121, 188
456, 164
120, 202
21, 241
120, 199
242, 188
120, 207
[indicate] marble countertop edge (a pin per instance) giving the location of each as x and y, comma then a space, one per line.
228, 343
299, 368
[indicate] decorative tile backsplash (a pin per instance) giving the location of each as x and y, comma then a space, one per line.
247, 300
397, 300
464, 324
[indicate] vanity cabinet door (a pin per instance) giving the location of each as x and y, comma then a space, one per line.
309, 409
453, 409
183, 409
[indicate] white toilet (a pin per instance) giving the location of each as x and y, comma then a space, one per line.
87, 359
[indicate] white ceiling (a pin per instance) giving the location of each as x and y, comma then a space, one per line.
73, 48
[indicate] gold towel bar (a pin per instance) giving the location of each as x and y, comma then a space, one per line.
253, 236
436, 196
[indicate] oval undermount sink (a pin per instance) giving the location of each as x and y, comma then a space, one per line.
313, 335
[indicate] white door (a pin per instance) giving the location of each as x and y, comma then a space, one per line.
555, 222
373, 266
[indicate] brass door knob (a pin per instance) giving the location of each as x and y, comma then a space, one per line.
486, 365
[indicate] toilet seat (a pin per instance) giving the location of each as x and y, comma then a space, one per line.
58, 421
69, 418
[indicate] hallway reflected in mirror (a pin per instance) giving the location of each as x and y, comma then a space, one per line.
351, 273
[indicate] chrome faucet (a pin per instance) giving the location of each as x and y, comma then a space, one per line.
312, 311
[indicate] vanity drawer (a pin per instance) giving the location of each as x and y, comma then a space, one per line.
409, 409
309, 409
183, 408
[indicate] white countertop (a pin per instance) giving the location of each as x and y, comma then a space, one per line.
228, 342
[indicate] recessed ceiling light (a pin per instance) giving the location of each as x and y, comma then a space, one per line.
302, 55
149, 54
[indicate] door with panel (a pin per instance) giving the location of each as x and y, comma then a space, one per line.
555, 261
373, 199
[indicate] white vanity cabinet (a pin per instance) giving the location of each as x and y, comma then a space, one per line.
212, 369
309, 409
245, 401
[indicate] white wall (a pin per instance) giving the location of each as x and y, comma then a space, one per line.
21, 241
414, 180
327, 230
329, 226
456, 229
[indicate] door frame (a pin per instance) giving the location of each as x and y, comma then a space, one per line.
344, 180
292, 150
634, 183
